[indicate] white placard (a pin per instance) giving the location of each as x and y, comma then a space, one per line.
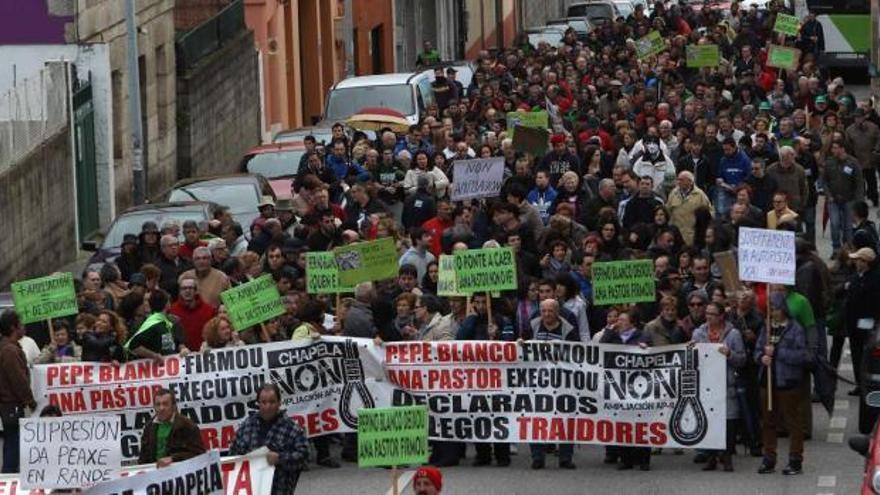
200, 475
478, 178
69, 452
766, 256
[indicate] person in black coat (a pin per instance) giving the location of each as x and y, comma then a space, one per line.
627, 332
420, 207
861, 309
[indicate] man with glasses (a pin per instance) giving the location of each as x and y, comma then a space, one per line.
762, 185
781, 213
697, 301
211, 281
171, 264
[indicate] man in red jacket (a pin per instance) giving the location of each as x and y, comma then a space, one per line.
192, 312
437, 225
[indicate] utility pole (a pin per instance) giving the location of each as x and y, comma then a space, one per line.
134, 106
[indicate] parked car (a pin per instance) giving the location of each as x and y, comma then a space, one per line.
581, 26
625, 7
408, 93
596, 10
869, 447
241, 193
552, 35
106, 245
869, 400
322, 133
277, 162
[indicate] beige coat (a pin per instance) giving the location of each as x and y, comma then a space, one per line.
682, 207
437, 329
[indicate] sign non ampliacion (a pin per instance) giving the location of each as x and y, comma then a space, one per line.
485, 270
393, 436
366, 261
766, 256
252, 303
477, 178
623, 282
69, 453
475, 391
322, 274
45, 298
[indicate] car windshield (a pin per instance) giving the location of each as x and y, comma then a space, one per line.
275, 164
552, 38
345, 102
131, 223
321, 136
625, 8
592, 11
240, 198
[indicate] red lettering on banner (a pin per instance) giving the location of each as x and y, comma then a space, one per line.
406, 379
415, 352
477, 352
68, 401
211, 439
69, 374
556, 429
317, 423
242, 484
139, 370
123, 397
464, 378
658, 433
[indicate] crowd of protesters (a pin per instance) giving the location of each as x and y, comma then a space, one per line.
647, 159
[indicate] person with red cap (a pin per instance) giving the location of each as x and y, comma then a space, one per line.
427, 481
560, 160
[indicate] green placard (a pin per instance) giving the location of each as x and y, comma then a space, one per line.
252, 303
703, 56
787, 24
623, 282
447, 285
45, 298
366, 261
783, 57
484, 270
535, 120
650, 44
322, 274
392, 436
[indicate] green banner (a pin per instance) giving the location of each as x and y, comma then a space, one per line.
703, 56
322, 274
650, 44
392, 436
252, 303
623, 282
485, 270
534, 120
783, 57
787, 24
447, 285
366, 261
45, 298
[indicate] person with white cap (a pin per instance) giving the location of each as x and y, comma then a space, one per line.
861, 309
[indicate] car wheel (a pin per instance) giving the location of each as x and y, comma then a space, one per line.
867, 417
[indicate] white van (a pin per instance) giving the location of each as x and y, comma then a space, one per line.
408, 93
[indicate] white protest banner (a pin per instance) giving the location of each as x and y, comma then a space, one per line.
477, 178
475, 391
250, 474
766, 256
74, 452
201, 475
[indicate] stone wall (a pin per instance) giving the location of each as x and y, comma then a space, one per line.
218, 109
38, 212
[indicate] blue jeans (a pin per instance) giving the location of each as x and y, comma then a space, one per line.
539, 451
841, 227
722, 200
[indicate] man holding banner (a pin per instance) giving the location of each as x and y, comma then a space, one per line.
15, 390
286, 440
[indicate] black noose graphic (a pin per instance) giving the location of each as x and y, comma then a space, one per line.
352, 381
688, 396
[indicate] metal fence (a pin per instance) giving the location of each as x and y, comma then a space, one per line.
210, 35
33, 110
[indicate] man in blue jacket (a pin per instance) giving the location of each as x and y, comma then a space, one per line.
733, 170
